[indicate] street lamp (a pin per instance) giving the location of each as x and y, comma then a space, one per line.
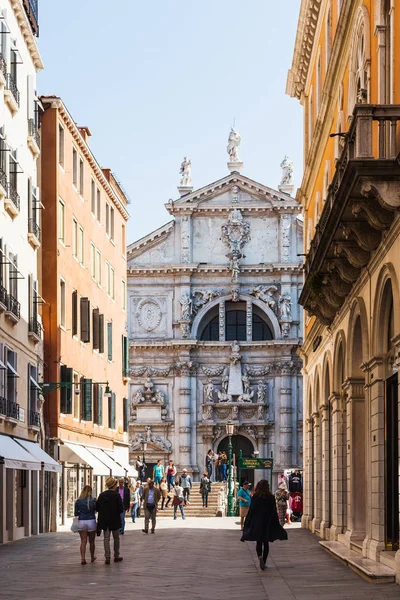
229, 431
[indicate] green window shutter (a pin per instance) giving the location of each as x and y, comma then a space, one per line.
126, 414
109, 341
63, 391
74, 313
100, 405
101, 334
95, 328
66, 376
85, 320
87, 400
112, 411
125, 356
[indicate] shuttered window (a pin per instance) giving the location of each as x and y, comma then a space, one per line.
66, 376
125, 356
126, 414
95, 318
109, 341
97, 404
87, 402
101, 334
111, 411
85, 320
74, 313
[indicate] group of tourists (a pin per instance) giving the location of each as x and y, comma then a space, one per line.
217, 465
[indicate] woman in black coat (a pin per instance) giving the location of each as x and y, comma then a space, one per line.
262, 523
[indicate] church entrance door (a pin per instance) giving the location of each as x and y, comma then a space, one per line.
243, 444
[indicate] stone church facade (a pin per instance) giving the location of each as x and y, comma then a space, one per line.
214, 326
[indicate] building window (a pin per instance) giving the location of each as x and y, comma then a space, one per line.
62, 303
125, 356
13, 275
33, 303
98, 267
111, 411
235, 325
87, 400
74, 167
101, 334
211, 331
61, 141
93, 197
76, 397
123, 294
93, 260
11, 383
66, 376
126, 414
107, 219
33, 394
61, 221
97, 404
74, 238
95, 324
81, 179
109, 341
3, 370
81, 246
261, 331
98, 206
112, 219
112, 283
318, 84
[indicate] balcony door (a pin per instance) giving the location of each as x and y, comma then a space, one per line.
392, 512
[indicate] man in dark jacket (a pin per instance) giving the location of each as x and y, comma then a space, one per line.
109, 507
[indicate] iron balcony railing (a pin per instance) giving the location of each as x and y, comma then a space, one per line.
14, 196
34, 418
12, 86
3, 178
33, 131
12, 410
34, 228
3, 295
3, 406
35, 327
13, 306
3, 66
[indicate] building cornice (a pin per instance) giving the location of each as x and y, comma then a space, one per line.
150, 240
244, 208
198, 268
57, 103
287, 344
29, 38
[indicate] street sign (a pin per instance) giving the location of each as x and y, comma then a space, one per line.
256, 463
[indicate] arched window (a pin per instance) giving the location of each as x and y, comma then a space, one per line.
211, 331
261, 331
359, 61
235, 327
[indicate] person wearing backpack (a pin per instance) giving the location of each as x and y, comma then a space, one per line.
178, 500
186, 483
205, 488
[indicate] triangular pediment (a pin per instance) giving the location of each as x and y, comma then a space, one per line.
157, 246
232, 189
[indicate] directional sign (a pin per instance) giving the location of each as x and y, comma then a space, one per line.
256, 463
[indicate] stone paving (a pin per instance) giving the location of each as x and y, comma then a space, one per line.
195, 559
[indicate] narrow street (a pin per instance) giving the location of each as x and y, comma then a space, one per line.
195, 559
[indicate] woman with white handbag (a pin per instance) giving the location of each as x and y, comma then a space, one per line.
86, 525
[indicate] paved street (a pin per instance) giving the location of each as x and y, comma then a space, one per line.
197, 559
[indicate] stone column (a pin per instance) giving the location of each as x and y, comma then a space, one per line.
324, 420
27, 510
374, 541
337, 465
317, 473
184, 368
186, 245
286, 410
380, 33
356, 475
307, 473
11, 513
222, 321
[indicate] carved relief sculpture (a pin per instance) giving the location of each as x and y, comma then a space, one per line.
186, 307
266, 294
209, 391
148, 314
285, 306
261, 391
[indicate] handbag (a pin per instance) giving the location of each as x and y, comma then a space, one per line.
176, 501
75, 525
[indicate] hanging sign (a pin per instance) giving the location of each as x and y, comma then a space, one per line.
256, 463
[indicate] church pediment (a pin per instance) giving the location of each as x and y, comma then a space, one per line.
155, 248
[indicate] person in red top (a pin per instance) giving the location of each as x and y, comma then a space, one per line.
171, 472
297, 502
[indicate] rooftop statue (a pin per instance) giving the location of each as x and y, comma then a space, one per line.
186, 172
233, 145
287, 171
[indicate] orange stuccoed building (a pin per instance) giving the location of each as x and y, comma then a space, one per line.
346, 74
83, 261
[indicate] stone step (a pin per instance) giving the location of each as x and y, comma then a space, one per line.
388, 558
374, 572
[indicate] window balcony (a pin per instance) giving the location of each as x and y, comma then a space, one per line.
12, 410
3, 298
11, 94
12, 201
3, 71
34, 233
3, 184
3, 407
34, 419
33, 138
35, 330
13, 310
362, 202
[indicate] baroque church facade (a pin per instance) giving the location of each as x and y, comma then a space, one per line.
214, 326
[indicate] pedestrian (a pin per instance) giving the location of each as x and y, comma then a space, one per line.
139, 488
205, 488
282, 497
151, 498
170, 496
134, 502
164, 492
218, 467
262, 524
158, 473
224, 466
244, 499
209, 463
125, 494
85, 511
178, 500
171, 472
109, 507
141, 468
186, 483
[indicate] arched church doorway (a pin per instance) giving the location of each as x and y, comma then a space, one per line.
239, 443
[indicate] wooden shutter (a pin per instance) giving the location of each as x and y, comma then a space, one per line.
109, 341
126, 414
66, 376
87, 400
125, 356
95, 402
100, 405
101, 334
95, 317
74, 313
85, 320
112, 410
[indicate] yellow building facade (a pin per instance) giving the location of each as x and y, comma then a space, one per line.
346, 74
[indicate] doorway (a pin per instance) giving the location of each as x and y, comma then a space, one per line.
392, 463
239, 443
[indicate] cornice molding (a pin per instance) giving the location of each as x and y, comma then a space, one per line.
197, 268
149, 241
29, 38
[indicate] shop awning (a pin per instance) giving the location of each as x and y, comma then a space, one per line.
81, 454
15, 456
48, 463
121, 455
116, 469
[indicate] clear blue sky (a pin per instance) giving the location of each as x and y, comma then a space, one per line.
155, 81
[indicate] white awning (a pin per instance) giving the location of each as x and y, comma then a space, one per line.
121, 456
15, 456
116, 469
48, 463
81, 454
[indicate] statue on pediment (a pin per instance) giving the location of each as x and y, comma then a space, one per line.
233, 145
186, 172
287, 171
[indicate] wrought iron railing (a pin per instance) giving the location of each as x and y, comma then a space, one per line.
35, 327
3, 179
14, 196
3, 295
3, 66
34, 228
13, 306
34, 418
12, 86
3, 406
33, 131
12, 410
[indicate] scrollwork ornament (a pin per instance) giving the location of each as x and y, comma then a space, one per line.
212, 371
149, 314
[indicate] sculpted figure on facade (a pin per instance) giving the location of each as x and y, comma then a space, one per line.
235, 294
260, 413
285, 306
159, 397
235, 353
186, 172
235, 412
139, 397
148, 435
235, 231
266, 294
246, 397
234, 265
234, 140
186, 306
224, 396
202, 297
287, 171
246, 383
261, 391
209, 391
225, 380
148, 385
218, 432
207, 412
